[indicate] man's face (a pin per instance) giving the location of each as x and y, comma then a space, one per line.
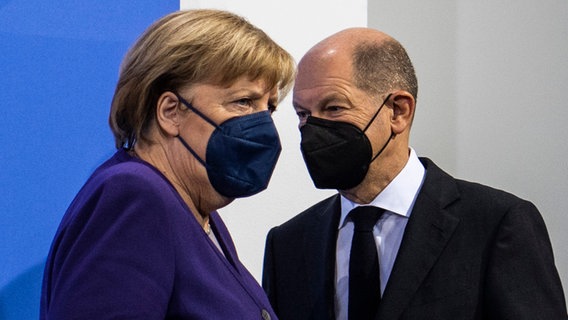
324, 89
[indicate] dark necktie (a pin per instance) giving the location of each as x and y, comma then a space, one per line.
364, 281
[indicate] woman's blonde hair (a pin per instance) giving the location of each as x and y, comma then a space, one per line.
188, 47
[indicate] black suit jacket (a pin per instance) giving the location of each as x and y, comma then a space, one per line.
468, 252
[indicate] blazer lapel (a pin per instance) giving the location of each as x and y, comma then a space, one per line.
320, 239
426, 235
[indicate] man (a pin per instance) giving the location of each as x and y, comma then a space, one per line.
446, 248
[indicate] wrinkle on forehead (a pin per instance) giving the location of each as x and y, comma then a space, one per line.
342, 44
327, 66
330, 69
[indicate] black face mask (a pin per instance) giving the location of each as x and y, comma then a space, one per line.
337, 154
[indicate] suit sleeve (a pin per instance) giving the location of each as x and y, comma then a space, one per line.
522, 279
114, 258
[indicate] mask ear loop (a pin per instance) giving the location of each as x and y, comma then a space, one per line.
192, 108
384, 146
377, 113
204, 117
369, 124
191, 150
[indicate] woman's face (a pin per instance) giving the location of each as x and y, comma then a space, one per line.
218, 104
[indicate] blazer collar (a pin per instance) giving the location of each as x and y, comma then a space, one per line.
427, 232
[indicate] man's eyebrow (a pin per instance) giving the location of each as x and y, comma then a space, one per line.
331, 97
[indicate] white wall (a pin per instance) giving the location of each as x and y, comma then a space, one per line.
493, 76
296, 25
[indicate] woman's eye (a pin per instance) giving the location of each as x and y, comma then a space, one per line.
244, 102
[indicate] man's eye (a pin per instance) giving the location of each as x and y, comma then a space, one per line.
302, 114
271, 108
332, 108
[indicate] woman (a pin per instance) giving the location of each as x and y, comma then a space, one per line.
191, 116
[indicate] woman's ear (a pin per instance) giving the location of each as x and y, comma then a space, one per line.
403, 105
168, 114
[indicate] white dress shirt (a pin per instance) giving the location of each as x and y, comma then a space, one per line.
397, 199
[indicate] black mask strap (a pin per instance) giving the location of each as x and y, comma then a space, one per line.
377, 113
371, 121
384, 146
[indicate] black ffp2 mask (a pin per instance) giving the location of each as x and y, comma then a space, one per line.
337, 154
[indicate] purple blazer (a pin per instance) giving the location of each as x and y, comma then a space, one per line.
128, 247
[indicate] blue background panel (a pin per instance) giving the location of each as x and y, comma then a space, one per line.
58, 68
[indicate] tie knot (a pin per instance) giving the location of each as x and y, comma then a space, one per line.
365, 217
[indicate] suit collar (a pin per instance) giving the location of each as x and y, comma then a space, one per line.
399, 195
319, 239
429, 229
225, 242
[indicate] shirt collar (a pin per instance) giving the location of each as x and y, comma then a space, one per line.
399, 195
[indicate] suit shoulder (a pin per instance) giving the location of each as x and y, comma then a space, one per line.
316, 211
445, 189
125, 187
132, 173
487, 195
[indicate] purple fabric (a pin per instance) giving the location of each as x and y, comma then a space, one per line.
129, 248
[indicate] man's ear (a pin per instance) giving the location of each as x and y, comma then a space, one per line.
403, 105
168, 114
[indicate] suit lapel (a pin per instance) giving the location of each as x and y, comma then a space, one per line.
225, 241
320, 239
427, 232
